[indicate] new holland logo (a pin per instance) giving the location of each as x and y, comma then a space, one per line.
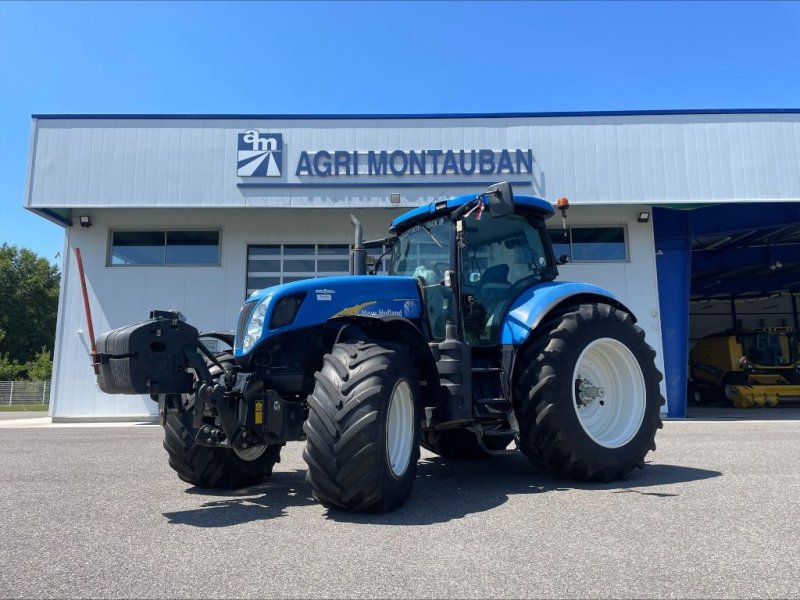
260, 154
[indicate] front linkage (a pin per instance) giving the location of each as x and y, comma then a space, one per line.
153, 358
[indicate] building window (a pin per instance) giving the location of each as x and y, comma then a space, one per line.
272, 264
178, 247
590, 244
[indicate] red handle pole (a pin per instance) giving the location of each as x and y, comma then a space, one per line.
87, 308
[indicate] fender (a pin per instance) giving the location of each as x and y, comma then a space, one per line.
226, 337
399, 329
533, 305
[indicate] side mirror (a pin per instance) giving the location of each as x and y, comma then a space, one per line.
501, 199
563, 259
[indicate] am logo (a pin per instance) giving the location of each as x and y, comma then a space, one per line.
259, 154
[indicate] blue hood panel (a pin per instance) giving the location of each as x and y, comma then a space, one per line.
532, 305
329, 297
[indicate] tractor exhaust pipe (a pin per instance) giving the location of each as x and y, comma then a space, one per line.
358, 259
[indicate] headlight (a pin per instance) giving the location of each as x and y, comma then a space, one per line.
255, 326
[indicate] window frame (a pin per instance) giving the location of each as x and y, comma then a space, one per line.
281, 256
626, 243
164, 230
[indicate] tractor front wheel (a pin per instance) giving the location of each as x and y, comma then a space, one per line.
223, 468
363, 428
588, 398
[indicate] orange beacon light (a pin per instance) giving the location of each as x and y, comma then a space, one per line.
563, 204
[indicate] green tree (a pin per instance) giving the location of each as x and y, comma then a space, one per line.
10, 370
29, 287
41, 367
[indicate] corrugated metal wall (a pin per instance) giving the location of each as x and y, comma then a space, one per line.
597, 159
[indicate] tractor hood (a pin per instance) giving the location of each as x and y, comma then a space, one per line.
309, 302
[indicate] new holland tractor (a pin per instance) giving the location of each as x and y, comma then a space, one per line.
468, 347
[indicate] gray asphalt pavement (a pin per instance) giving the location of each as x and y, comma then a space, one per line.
96, 512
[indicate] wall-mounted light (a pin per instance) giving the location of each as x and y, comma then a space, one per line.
644, 217
394, 198
85, 221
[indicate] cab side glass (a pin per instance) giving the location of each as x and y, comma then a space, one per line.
501, 258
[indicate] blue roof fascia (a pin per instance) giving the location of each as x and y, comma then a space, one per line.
500, 115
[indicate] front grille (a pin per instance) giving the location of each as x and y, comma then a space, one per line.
244, 315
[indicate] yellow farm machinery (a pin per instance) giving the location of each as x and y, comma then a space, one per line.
753, 368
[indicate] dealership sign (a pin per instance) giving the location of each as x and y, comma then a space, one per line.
261, 155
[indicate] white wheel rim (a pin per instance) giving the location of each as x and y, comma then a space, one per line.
608, 392
400, 428
250, 454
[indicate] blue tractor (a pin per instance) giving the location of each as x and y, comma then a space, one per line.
468, 347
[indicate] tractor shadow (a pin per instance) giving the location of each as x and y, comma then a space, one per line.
269, 500
444, 490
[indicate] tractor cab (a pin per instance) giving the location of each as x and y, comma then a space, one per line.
473, 262
770, 348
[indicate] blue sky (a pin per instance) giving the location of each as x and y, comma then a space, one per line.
361, 57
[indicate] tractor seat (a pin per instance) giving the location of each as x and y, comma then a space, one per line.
496, 274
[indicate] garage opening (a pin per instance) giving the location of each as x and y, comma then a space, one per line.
729, 289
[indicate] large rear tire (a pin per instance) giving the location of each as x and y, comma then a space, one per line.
363, 428
203, 466
587, 395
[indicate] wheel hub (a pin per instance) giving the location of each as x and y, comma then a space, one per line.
587, 392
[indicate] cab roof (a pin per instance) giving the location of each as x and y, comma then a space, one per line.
427, 211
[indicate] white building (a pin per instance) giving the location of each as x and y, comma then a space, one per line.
192, 212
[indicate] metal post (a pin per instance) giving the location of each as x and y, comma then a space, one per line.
794, 310
673, 233
11, 394
87, 309
44, 389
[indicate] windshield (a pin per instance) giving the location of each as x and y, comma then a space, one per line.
770, 348
423, 251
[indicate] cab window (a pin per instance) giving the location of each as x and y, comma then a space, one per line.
423, 251
500, 258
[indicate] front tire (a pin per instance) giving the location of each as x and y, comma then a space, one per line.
363, 428
588, 397
222, 468
219, 468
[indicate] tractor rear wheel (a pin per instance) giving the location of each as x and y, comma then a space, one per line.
588, 397
363, 428
223, 468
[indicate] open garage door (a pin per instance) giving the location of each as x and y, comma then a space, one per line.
731, 272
